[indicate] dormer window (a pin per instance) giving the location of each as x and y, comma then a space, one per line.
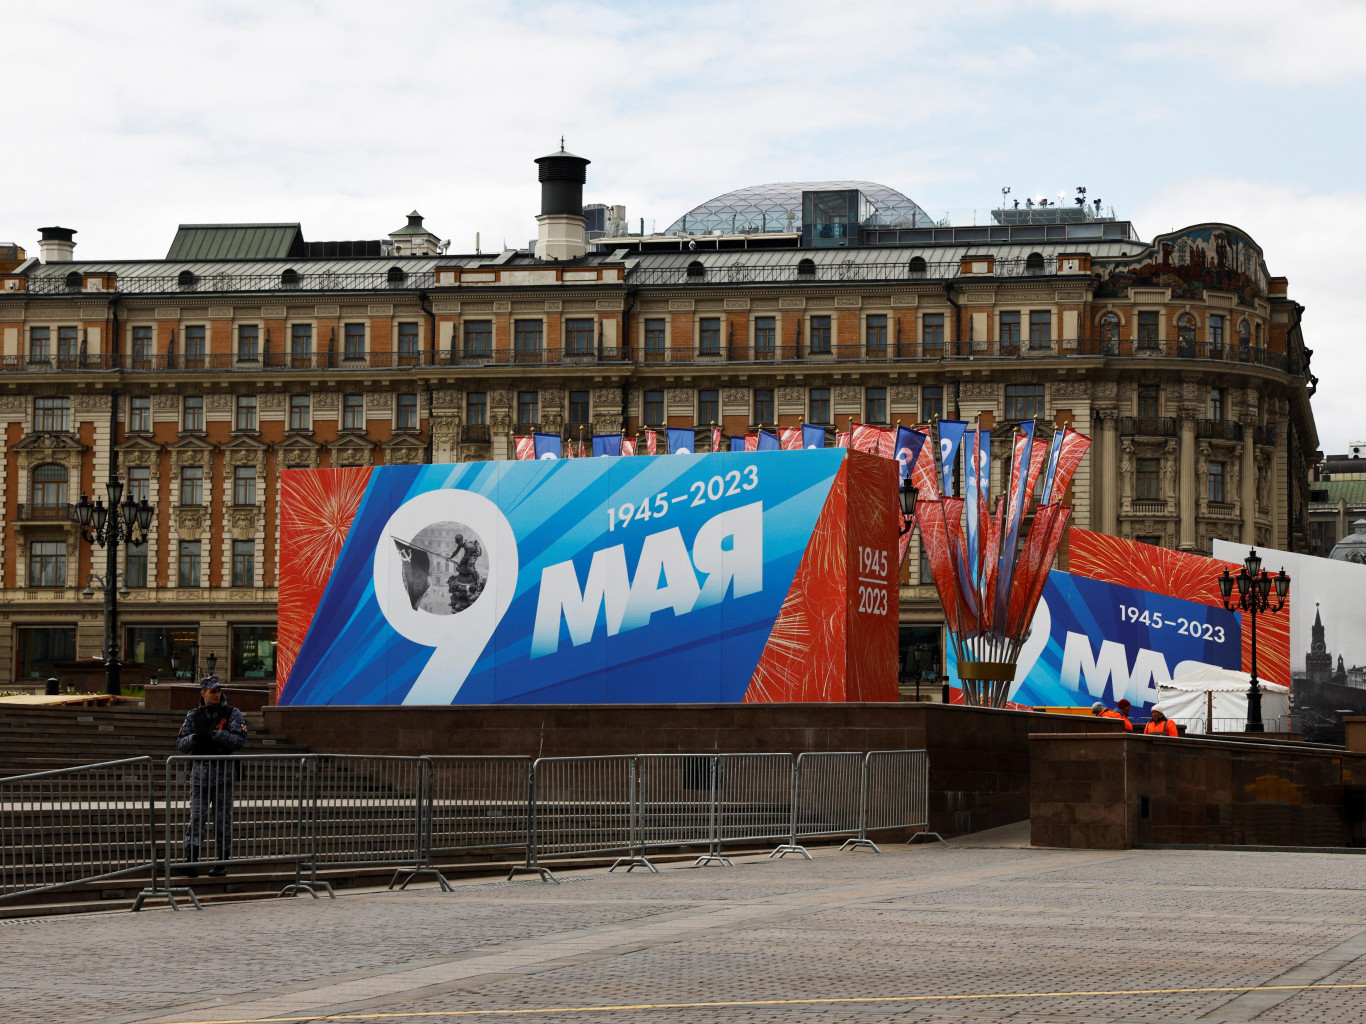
74, 281
917, 266
396, 276
806, 268
289, 278
187, 280
695, 269
1034, 263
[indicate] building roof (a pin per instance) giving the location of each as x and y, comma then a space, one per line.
236, 242
778, 207
1325, 494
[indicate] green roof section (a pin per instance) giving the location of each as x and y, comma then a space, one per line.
237, 242
1351, 491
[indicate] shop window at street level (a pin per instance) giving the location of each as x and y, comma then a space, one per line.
253, 652
40, 649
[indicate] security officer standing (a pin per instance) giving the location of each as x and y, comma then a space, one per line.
213, 728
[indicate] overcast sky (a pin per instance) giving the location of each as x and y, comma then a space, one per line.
126, 119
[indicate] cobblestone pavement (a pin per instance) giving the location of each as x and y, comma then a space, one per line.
933, 934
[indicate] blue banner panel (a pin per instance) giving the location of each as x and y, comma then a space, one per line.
1093, 641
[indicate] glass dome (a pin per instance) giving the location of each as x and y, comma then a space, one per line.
777, 207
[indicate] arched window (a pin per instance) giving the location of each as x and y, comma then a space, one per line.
49, 486
806, 268
396, 276
187, 279
1109, 327
917, 266
1034, 263
289, 278
1185, 329
74, 281
695, 269
1244, 334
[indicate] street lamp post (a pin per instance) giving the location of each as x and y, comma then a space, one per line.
123, 521
1254, 597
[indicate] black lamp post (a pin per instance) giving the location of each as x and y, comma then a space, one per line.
1254, 597
123, 521
908, 495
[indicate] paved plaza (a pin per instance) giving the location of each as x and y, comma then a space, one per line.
967, 932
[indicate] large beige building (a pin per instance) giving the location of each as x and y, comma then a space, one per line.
247, 350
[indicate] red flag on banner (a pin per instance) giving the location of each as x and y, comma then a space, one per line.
925, 472
716, 439
1074, 446
790, 438
752, 442
863, 438
886, 443
842, 439
628, 446
651, 442
524, 445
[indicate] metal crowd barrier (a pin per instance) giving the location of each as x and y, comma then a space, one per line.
327, 811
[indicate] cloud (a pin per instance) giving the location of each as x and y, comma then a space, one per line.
1300, 233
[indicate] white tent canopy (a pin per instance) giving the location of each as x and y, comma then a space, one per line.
1212, 699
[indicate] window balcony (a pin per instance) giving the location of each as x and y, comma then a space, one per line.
1148, 426
1221, 430
31, 513
475, 433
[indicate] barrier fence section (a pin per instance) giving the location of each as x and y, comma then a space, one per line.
675, 803
896, 794
581, 806
365, 810
477, 803
754, 795
72, 825
826, 799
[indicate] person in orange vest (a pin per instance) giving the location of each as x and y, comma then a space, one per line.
1161, 725
1101, 711
1123, 712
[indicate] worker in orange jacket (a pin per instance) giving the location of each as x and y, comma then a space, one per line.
1160, 725
1101, 711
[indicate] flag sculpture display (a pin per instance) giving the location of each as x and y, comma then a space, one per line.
990, 578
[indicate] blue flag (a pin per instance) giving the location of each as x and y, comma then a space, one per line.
682, 440
737, 444
976, 485
548, 446
1011, 539
908, 445
606, 444
950, 437
1051, 470
768, 442
813, 436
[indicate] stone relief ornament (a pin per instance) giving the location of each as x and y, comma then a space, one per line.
325, 401
242, 522
190, 522
903, 393
164, 402
219, 402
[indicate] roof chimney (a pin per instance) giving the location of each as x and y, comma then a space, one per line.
561, 228
413, 239
55, 245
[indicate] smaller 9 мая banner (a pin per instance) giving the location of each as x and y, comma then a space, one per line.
1092, 640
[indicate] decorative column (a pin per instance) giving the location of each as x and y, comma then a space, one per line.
1108, 473
1248, 479
1186, 488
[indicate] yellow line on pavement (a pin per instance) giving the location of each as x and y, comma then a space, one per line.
845, 1000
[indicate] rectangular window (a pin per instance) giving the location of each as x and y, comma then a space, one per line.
1148, 400
39, 344
42, 648
926, 576
1147, 330
406, 418
652, 411
820, 405
68, 345
708, 407
1149, 480
1010, 328
477, 408
709, 336
192, 485
763, 407
47, 563
52, 414
526, 338
765, 337
140, 414
1040, 329
1216, 481
1216, 404
192, 412
245, 418
1216, 331
1024, 401
578, 336
875, 333
409, 346
301, 344
248, 343
479, 338
528, 407
654, 340
253, 652
142, 345
187, 571
932, 332
195, 347
299, 409
139, 483
931, 403
154, 647
820, 336
578, 408
49, 489
353, 412
244, 563
244, 485
135, 565
875, 405
353, 340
